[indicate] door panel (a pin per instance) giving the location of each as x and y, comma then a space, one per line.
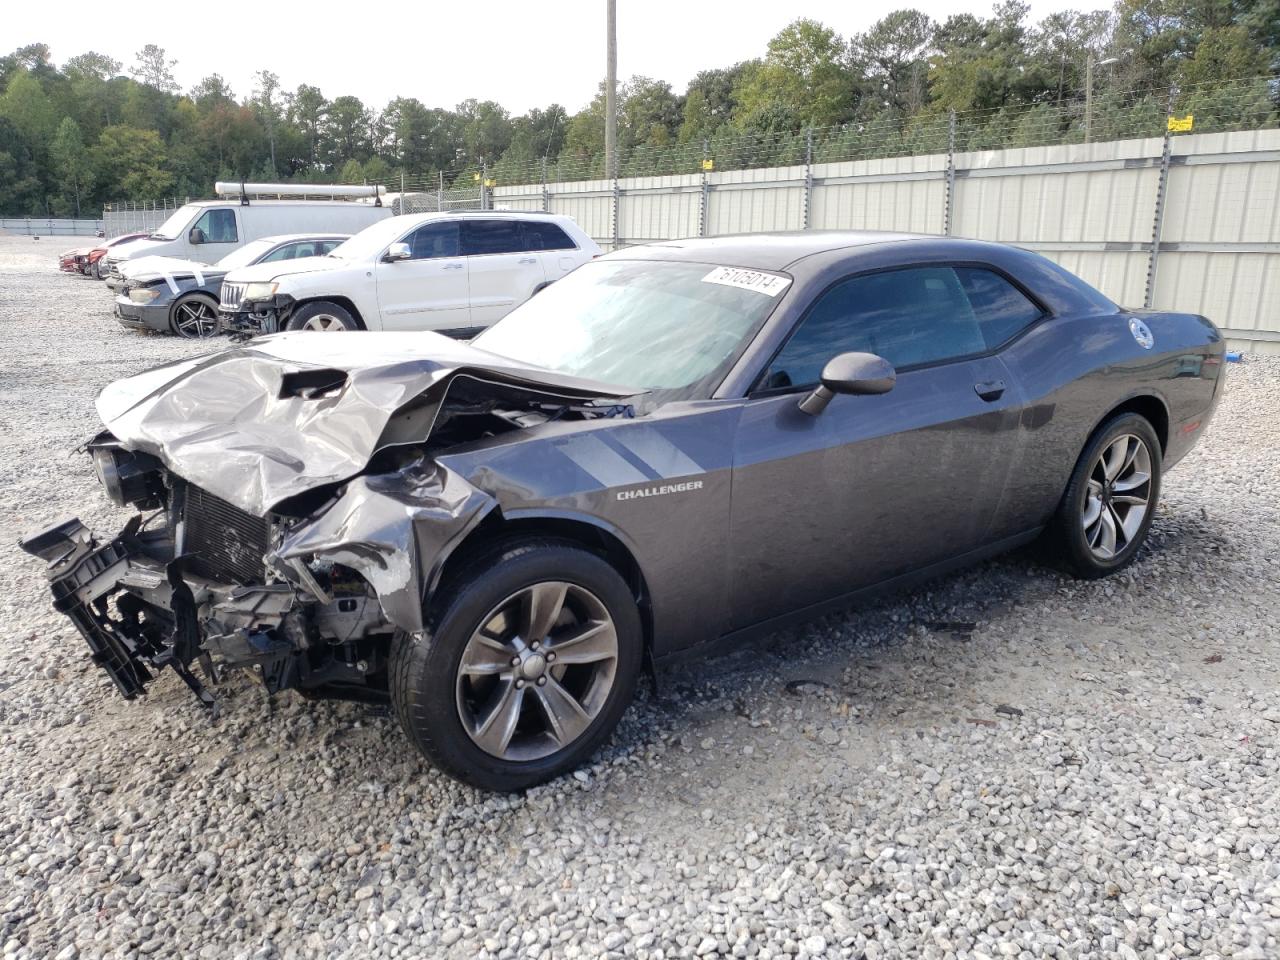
500, 282
429, 291
504, 270
873, 487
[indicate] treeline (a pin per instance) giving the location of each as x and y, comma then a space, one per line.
88, 131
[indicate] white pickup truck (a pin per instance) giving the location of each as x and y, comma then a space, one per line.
453, 273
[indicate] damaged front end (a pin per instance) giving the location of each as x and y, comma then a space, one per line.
199, 581
292, 513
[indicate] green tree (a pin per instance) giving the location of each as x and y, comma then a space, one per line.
71, 159
134, 161
805, 78
893, 57
268, 110
26, 105
155, 69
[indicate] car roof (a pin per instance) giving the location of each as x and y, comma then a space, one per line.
763, 251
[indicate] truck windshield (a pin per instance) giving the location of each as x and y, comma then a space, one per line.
664, 326
171, 228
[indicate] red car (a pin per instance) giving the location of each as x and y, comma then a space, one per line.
69, 261
86, 260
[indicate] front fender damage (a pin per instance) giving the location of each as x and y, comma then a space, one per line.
394, 529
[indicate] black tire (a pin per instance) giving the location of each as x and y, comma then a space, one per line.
1067, 540
194, 317
424, 669
322, 316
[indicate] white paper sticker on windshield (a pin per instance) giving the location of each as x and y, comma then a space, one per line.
769, 284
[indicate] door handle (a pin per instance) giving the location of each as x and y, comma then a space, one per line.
528, 260
452, 266
989, 389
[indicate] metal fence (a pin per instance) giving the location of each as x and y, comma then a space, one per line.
1149, 214
138, 217
45, 227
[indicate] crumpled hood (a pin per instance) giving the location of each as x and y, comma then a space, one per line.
280, 415
265, 272
137, 249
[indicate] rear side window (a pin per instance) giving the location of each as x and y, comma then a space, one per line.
482, 237
1001, 308
910, 317
541, 235
218, 226
432, 241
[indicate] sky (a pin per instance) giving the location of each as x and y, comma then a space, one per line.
522, 54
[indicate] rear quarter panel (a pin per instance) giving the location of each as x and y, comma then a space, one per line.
1075, 371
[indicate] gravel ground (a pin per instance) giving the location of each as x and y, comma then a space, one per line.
1090, 771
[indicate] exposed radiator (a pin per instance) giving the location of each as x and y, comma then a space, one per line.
221, 541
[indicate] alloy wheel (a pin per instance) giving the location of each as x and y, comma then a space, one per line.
537, 671
324, 323
1118, 496
195, 319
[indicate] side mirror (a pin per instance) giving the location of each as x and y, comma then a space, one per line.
196, 236
397, 251
853, 373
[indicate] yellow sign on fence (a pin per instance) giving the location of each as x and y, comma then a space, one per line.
708, 164
1181, 124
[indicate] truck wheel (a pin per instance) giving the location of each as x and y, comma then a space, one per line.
529, 659
322, 316
194, 316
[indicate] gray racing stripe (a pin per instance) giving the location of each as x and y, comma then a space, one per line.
601, 461
662, 456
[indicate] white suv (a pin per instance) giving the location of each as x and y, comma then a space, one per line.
453, 273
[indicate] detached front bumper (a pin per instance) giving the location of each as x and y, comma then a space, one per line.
139, 636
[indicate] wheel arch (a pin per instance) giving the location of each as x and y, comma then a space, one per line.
587, 531
346, 303
1147, 405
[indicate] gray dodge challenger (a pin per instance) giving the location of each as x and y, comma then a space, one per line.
674, 449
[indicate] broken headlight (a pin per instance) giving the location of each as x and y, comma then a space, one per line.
128, 478
260, 291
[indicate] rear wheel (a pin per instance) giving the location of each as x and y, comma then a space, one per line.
1111, 499
195, 317
322, 317
528, 662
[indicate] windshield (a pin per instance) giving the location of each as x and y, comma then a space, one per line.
246, 254
371, 241
170, 229
645, 325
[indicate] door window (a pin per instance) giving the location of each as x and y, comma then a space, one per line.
910, 317
541, 235
217, 226
433, 241
484, 237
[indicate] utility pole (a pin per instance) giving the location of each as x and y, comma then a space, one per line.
611, 91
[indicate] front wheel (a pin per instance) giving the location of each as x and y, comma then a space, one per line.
1111, 499
322, 317
529, 659
195, 317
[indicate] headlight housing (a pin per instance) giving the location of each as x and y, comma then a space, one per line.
143, 294
128, 478
260, 291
